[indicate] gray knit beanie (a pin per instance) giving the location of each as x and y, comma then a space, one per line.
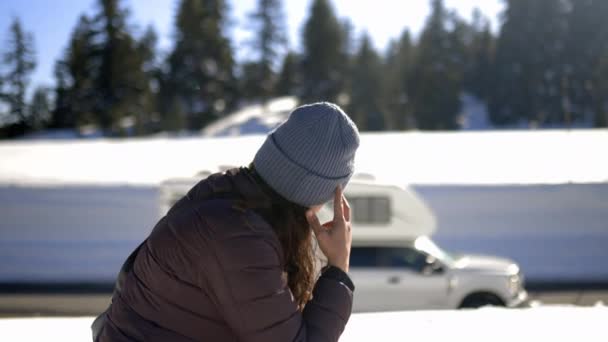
309, 155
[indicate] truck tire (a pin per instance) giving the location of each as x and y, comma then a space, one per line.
480, 299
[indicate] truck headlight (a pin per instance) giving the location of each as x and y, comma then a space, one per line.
514, 283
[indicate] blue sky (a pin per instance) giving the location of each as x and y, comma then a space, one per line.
51, 21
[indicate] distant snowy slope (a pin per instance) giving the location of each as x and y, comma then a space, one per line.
510, 157
254, 119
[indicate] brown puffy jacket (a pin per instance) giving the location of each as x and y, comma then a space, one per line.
212, 271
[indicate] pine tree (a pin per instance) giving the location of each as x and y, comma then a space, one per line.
146, 81
81, 62
437, 76
365, 107
62, 115
600, 100
479, 64
324, 59
4, 116
396, 78
254, 81
200, 85
3, 99
146, 48
347, 52
587, 57
120, 67
268, 43
549, 64
530, 61
105, 74
39, 109
19, 58
289, 80
75, 79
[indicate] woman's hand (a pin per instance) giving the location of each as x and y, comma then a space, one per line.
334, 237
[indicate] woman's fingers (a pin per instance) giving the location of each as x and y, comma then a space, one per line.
314, 223
341, 215
334, 237
338, 210
346, 209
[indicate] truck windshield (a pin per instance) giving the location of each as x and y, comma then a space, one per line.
426, 245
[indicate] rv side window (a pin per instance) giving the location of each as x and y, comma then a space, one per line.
370, 210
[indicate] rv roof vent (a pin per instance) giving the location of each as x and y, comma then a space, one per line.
224, 168
204, 173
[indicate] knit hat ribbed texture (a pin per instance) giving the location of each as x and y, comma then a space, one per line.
310, 154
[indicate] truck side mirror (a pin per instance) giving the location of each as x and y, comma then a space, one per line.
438, 269
433, 266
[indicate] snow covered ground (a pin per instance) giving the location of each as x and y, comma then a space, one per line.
487, 324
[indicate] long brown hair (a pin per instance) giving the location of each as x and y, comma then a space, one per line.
288, 220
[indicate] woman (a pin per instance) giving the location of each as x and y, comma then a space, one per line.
233, 259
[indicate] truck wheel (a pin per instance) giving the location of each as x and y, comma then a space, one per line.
477, 300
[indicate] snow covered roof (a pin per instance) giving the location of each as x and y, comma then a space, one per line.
504, 157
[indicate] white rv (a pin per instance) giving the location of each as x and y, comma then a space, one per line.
394, 263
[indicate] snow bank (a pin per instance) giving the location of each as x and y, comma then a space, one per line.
488, 324
478, 158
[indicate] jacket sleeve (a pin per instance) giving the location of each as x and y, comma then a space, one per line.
244, 275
